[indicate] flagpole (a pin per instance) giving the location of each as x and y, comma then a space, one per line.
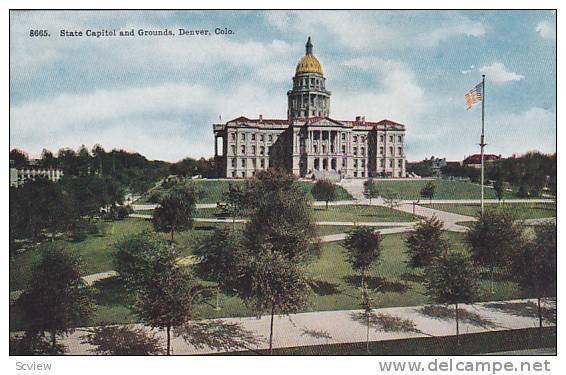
482, 140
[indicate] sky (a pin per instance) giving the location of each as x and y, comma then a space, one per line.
159, 96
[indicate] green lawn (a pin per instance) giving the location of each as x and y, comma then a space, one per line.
335, 285
213, 191
360, 213
521, 211
353, 213
445, 189
95, 251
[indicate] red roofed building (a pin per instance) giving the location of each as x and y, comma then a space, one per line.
475, 160
309, 143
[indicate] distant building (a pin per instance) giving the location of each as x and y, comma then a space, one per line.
309, 143
18, 176
475, 160
437, 164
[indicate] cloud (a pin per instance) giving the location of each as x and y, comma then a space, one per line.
377, 30
392, 91
161, 121
546, 30
498, 73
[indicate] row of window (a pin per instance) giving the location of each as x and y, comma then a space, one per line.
243, 137
362, 150
357, 163
305, 81
252, 162
262, 150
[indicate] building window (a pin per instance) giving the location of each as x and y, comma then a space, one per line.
270, 138
400, 163
243, 149
355, 151
233, 173
261, 150
355, 163
243, 163
254, 150
355, 138
363, 151
233, 163
243, 136
390, 150
268, 150
332, 148
381, 163
343, 149
391, 139
317, 164
381, 150
262, 163
343, 136
355, 174
324, 149
243, 174
399, 151
399, 174
233, 148
233, 136
261, 137
315, 148
391, 163
363, 163
344, 162
363, 174
363, 138
255, 163
381, 138
253, 136
399, 139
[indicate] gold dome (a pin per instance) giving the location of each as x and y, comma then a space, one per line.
309, 63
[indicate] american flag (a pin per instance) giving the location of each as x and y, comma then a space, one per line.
474, 95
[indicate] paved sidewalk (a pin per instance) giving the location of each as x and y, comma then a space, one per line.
334, 327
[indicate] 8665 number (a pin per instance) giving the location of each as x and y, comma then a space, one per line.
38, 33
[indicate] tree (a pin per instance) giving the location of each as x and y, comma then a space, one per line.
364, 249
391, 198
425, 242
324, 191
166, 294
499, 187
281, 216
218, 258
236, 201
19, 158
133, 256
169, 300
451, 280
272, 283
175, 210
57, 299
492, 239
277, 242
534, 264
428, 190
370, 189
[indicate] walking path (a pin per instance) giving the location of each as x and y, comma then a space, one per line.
349, 326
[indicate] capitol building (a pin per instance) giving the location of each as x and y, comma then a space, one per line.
309, 143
